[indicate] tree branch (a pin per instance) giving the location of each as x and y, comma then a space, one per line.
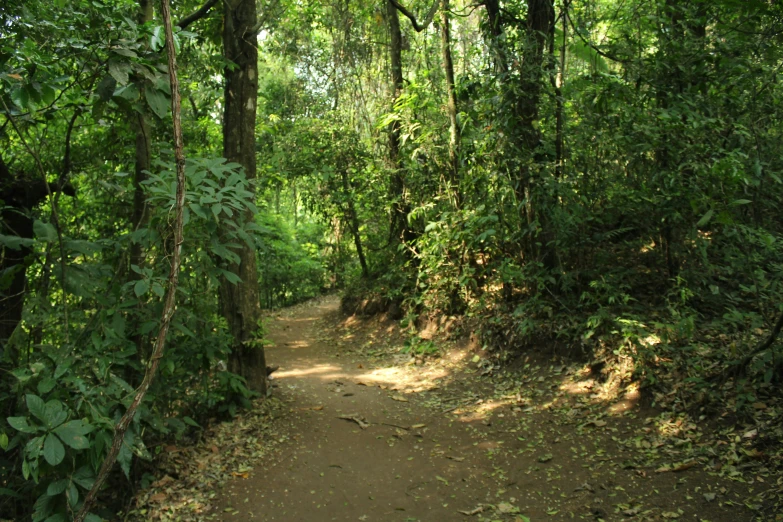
427, 21
198, 14
593, 46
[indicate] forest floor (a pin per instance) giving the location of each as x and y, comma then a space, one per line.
358, 431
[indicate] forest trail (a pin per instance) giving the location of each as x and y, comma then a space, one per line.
441, 442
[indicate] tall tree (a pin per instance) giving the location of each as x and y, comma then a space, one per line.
240, 302
451, 103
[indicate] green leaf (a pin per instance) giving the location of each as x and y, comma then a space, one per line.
106, 88
21, 424
34, 447
55, 414
46, 385
158, 289
84, 477
20, 98
15, 242
44, 231
63, 367
54, 452
73, 434
5, 492
73, 495
741, 202
231, 277
705, 218
37, 406
57, 487
141, 287
190, 422
157, 102
157, 38
3, 441
92, 518
119, 71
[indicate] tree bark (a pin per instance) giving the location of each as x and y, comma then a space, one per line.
240, 302
352, 219
558, 79
451, 104
142, 165
399, 217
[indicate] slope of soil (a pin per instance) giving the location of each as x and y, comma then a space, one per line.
362, 433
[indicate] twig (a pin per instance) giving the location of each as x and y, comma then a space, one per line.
171, 292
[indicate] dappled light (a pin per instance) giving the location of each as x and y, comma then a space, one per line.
432, 260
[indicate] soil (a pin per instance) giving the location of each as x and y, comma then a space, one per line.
367, 433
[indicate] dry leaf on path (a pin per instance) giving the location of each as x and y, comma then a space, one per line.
472, 512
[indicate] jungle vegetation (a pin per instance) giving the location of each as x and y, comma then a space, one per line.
600, 176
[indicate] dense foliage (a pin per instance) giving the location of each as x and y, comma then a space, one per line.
601, 176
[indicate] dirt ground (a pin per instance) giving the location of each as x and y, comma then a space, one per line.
366, 433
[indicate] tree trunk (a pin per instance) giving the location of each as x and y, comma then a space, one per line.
558, 79
352, 219
451, 105
143, 164
240, 302
399, 217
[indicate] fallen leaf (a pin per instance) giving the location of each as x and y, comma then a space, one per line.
158, 497
670, 514
709, 497
684, 466
163, 482
472, 512
399, 398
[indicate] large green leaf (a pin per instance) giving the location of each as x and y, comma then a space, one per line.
54, 413
84, 477
73, 434
54, 451
44, 231
21, 424
119, 71
37, 406
57, 487
15, 242
157, 102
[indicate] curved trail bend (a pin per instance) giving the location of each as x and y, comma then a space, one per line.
373, 438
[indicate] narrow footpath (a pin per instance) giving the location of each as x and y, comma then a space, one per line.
370, 435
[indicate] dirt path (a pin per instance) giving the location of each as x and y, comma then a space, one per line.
441, 442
